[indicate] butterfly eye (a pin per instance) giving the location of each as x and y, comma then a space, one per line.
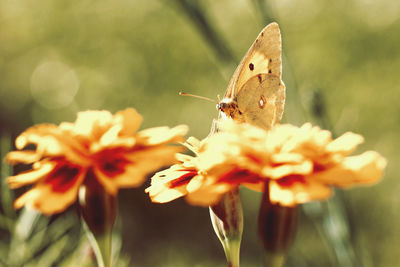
221, 106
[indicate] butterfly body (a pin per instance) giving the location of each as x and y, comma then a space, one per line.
256, 94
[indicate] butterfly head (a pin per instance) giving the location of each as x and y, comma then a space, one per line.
229, 108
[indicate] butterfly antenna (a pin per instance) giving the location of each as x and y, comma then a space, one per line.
197, 96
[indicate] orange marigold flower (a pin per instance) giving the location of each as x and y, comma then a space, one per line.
98, 144
185, 179
300, 163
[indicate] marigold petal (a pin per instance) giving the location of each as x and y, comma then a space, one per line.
279, 171
89, 124
51, 141
216, 153
42, 135
170, 184
193, 144
206, 190
25, 157
111, 138
298, 193
33, 134
345, 144
278, 136
130, 120
134, 175
161, 135
31, 176
162, 192
160, 195
281, 158
195, 183
366, 168
169, 175
150, 160
309, 142
208, 195
316, 135
48, 202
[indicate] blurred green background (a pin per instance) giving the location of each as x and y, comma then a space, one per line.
341, 69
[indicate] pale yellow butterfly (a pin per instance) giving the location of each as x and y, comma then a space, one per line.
256, 93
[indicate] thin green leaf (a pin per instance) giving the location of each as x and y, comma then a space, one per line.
6, 196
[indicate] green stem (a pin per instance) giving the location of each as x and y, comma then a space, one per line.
101, 245
232, 253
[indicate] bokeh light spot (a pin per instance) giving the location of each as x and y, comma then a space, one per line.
54, 84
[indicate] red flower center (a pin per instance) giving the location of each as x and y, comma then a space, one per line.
288, 181
111, 162
184, 179
63, 177
237, 176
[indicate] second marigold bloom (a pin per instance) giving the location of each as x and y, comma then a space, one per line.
300, 163
98, 144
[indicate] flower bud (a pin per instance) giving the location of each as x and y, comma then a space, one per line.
227, 220
276, 226
98, 209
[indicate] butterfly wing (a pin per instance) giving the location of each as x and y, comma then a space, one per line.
264, 56
261, 100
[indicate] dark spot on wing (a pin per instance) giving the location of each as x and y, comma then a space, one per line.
270, 60
259, 78
262, 34
251, 66
269, 71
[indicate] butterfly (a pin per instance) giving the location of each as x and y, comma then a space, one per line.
256, 93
